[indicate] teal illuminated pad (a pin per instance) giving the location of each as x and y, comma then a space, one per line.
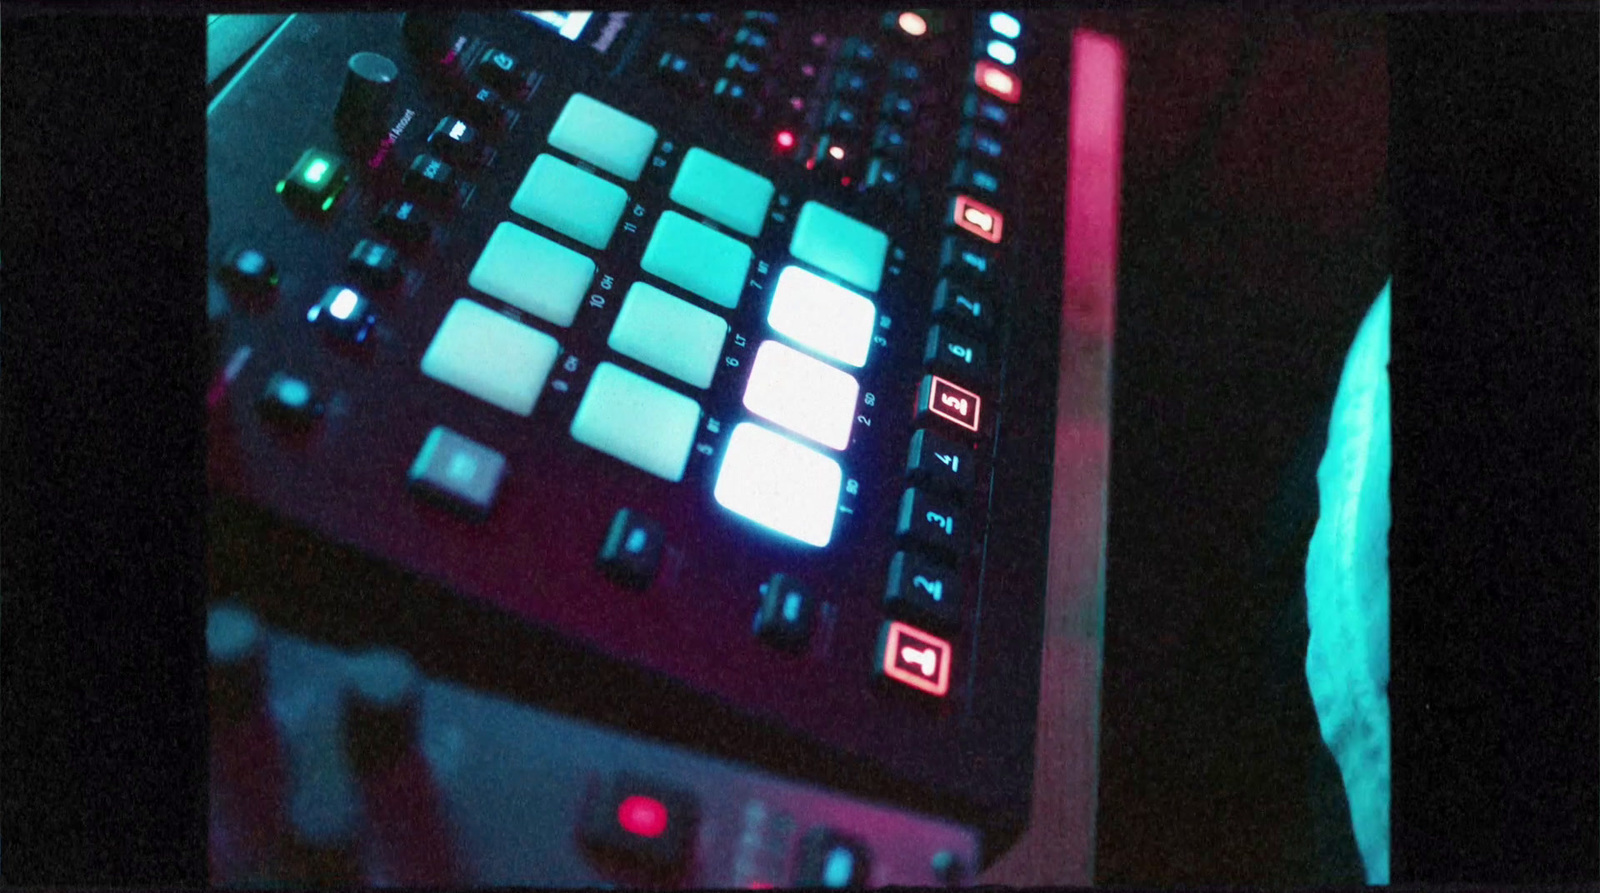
841, 245
630, 417
697, 258
532, 273
571, 201
612, 141
669, 334
723, 191
491, 357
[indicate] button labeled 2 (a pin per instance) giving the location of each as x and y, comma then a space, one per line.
922, 591
914, 658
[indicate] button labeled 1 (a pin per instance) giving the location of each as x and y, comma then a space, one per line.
922, 591
914, 658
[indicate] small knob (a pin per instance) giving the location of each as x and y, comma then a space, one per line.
369, 85
381, 714
235, 647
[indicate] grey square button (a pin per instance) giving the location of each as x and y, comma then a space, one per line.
458, 471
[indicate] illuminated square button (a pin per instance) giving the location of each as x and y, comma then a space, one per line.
532, 273
832, 861
997, 81
571, 201
491, 357
803, 394
630, 417
840, 244
611, 140
458, 471
950, 402
314, 183
723, 191
780, 484
914, 658
977, 218
669, 334
696, 257
641, 821
822, 315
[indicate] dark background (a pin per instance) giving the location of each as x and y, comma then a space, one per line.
1254, 239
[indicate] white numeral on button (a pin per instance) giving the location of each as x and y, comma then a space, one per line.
959, 404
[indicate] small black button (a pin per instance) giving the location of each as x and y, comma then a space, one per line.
344, 314
429, 178
289, 403
502, 71
850, 84
960, 258
898, 108
734, 98
642, 822
858, 51
980, 143
632, 550
883, 174
889, 140
486, 110
740, 65
380, 722
787, 615
963, 358
932, 523
376, 265
404, 223
905, 71
767, 19
249, 274
680, 73
940, 464
704, 22
315, 182
923, 592
236, 651
833, 861
457, 472
954, 303
843, 118
949, 868
754, 43
986, 111
457, 142
974, 178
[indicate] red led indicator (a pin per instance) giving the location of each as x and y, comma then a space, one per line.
785, 139
951, 402
998, 81
978, 218
915, 658
642, 816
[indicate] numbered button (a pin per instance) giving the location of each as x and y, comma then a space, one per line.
950, 402
932, 523
958, 305
959, 258
955, 353
940, 464
921, 591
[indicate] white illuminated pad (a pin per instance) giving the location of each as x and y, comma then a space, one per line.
803, 394
611, 140
630, 417
822, 315
779, 484
532, 273
491, 357
669, 334
571, 201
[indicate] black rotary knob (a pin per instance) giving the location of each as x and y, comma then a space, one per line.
369, 85
384, 690
235, 646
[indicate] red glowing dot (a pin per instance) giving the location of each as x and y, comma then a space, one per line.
643, 816
844, 181
818, 39
786, 139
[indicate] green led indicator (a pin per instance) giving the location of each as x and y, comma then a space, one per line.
280, 186
314, 173
327, 203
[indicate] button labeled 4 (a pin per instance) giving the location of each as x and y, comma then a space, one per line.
940, 463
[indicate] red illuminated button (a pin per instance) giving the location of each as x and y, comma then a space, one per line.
977, 218
997, 81
949, 402
642, 823
914, 658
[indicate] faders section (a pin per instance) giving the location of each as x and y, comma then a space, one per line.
718, 346
392, 778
